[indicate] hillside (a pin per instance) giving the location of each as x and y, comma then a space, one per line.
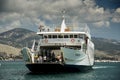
8, 51
112, 47
19, 37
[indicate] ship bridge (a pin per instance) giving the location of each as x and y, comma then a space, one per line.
64, 35
58, 39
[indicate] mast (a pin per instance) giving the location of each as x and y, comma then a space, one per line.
63, 25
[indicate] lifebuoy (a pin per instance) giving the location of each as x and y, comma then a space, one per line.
72, 40
46, 41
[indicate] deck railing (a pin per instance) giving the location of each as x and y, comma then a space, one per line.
72, 28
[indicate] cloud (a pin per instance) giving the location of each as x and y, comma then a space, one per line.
116, 16
31, 13
102, 23
11, 25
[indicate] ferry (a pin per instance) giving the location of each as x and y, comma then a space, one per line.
60, 49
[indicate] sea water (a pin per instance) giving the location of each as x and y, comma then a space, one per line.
16, 70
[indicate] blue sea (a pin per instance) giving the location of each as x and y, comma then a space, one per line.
16, 70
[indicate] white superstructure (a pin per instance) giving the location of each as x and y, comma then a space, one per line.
76, 46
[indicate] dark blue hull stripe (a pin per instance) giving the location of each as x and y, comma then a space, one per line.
56, 68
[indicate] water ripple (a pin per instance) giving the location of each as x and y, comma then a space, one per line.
101, 67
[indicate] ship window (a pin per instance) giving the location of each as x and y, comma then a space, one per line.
45, 36
71, 36
75, 36
65, 36
49, 36
60, 36
54, 36
81, 36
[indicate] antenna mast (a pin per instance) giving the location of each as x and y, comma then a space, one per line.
63, 25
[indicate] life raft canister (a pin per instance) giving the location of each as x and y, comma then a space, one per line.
72, 40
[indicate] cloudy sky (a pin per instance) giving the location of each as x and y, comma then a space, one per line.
102, 16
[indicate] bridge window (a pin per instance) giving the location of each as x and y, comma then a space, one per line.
75, 36
81, 36
45, 36
54, 36
60, 36
49, 36
65, 36
71, 36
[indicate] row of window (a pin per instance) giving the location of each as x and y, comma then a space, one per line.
64, 36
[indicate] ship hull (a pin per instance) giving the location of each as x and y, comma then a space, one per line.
43, 67
77, 57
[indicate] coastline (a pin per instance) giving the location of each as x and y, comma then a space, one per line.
106, 61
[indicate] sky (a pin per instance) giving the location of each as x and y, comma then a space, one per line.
102, 16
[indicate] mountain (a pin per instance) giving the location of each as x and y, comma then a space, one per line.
106, 48
107, 45
19, 37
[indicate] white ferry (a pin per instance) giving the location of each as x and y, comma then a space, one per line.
61, 49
